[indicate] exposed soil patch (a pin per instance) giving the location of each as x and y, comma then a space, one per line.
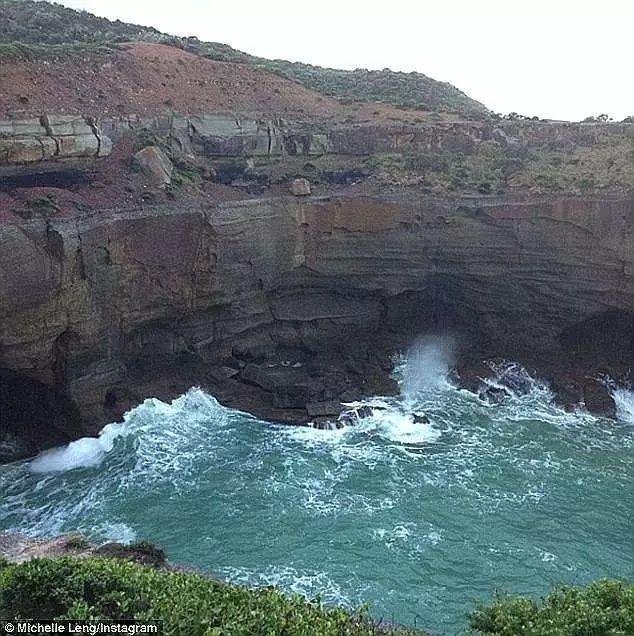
147, 79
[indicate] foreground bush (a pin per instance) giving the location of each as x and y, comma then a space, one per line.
603, 608
189, 604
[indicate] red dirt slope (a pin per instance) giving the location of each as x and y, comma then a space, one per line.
147, 79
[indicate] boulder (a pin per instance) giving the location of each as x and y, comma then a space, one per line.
155, 165
300, 187
494, 394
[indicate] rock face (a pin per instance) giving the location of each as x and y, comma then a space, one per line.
288, 306
48, 140
218, 135
276, 304
18, 548
155, 165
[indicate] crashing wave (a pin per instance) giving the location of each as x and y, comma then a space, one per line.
82, 453
624, 401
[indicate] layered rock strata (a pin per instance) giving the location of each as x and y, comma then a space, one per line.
288, 306
39, 144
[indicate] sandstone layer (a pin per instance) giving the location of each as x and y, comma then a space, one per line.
45, 142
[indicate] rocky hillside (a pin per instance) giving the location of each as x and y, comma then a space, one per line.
41, 23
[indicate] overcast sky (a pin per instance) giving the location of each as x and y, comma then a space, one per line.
561, 59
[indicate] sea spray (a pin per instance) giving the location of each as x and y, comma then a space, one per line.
623, 395
624, 401
164, 428
514, 380
427, 365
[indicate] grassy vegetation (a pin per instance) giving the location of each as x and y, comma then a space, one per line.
608, 163
32, 22
22, 51
406, 90
187, 172
189, 604
490, 168
41, 23
486, 170
604, 608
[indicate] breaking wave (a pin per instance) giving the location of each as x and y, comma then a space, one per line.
82, 453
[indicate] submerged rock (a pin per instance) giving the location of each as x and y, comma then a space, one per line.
352, 416
493, 394
327, 425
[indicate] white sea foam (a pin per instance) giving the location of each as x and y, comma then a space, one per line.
176, 424
402, 428
307, 583
367, 512
116, 531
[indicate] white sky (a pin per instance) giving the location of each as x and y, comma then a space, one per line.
560, 59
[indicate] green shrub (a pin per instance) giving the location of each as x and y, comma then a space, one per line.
23, 51
186, 172
45, 206
189, 604
603, 608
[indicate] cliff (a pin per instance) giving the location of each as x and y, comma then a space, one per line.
284, 306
